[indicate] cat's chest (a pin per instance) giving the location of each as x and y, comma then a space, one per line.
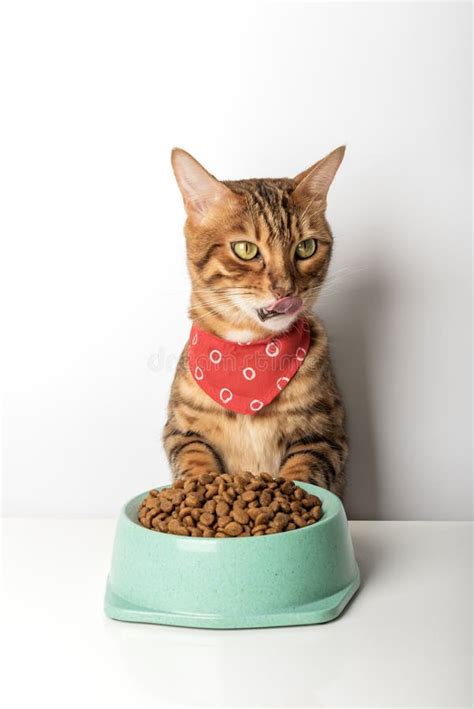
253, 444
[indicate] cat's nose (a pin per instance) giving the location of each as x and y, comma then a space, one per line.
282, 292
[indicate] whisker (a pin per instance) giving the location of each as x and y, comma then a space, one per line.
236, 289
217, 299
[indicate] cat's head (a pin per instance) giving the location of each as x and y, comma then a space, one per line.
258, 250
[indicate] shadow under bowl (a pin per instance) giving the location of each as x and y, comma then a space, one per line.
300, 577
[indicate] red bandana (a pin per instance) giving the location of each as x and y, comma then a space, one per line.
245, 377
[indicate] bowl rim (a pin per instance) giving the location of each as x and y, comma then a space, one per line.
335, 505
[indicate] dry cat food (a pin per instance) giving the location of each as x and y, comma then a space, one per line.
242, 505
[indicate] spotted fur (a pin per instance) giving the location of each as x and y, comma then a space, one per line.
300, 435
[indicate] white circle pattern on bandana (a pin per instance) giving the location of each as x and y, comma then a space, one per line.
225, 395
249, 373
215, 356
198, 373
300, 354
272, 349
282, 382
195, 339
256, 405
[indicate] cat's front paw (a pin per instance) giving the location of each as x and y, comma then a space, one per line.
195, 472
303, 476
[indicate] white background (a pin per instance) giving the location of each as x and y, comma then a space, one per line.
95, 95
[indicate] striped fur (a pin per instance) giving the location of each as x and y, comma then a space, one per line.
300, 435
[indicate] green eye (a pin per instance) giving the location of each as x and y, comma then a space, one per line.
245, 250
306, 248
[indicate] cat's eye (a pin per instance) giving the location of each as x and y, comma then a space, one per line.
306, 248
245, 250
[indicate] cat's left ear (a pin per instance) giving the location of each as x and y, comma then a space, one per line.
313, 184
201, 191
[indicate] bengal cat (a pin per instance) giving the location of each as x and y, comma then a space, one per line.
258, 253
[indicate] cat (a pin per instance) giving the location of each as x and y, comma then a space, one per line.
258, 252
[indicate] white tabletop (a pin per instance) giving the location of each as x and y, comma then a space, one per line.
405, 639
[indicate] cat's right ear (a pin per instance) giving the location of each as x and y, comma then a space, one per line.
201, 191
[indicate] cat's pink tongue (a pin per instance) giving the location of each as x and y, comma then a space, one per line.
287, 306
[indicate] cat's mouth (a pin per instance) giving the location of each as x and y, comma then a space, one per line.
265, 314
290, 305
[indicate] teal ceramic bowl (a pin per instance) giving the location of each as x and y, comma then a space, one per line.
300, 577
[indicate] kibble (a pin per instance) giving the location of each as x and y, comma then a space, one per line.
240, 515
227, 506
222, 508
